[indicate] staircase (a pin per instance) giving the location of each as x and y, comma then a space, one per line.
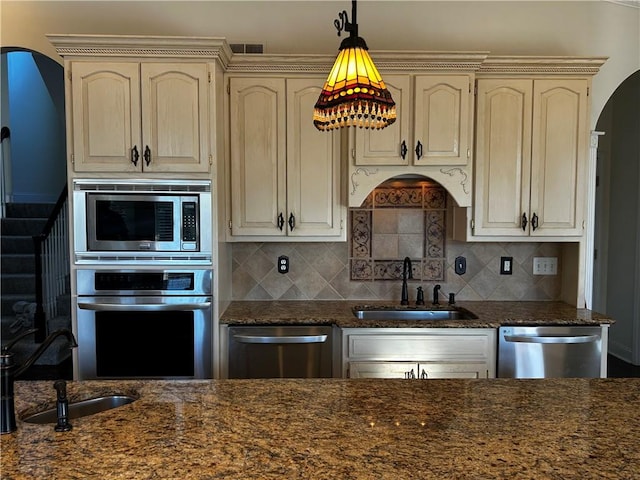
18, 282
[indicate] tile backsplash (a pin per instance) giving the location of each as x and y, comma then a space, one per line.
325, 271
321, 271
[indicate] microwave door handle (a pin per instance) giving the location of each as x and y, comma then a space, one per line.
138, 307
552, 339
280, 339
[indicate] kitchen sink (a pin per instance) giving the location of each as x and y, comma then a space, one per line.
412, 313
82, 408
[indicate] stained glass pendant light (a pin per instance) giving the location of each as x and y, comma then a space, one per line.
354, 93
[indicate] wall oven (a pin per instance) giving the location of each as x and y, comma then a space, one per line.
154, 323
142, 220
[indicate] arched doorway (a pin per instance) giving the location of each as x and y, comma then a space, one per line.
33, 178
616, 269
33, 112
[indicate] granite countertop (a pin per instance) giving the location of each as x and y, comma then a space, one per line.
336, 429
490, 314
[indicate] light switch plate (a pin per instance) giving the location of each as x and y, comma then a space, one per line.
545, 265
506, 265
460, 265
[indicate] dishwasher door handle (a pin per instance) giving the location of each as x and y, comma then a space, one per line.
280, 339
552, 339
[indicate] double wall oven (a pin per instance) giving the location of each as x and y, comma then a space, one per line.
144, 273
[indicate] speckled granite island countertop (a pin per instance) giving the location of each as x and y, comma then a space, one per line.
336, 429
490, 314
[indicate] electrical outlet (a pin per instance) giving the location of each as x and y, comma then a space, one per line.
545, 265
283, 264
506, 265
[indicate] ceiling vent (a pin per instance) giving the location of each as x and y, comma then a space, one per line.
247, 47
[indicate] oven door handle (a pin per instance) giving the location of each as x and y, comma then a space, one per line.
280, 338
139, 307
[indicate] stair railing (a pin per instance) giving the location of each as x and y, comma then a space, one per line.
6, 190
52, 264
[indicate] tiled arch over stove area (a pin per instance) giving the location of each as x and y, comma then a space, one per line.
399, 219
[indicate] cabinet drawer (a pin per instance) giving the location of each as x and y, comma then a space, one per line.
418, 347
413, 370
453, 370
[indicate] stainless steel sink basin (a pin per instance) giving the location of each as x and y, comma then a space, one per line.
82, 408
412, 313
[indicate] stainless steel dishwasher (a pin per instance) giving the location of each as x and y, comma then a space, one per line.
280, 351
550, 352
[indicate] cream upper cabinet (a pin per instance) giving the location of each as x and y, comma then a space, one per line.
531, 153
133, 117
433, 125
285, 174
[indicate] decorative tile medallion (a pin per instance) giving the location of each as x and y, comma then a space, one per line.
361, 269
361, 233
427, 196
403, 197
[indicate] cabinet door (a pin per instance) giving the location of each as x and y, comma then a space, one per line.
313, 166
503, 156
174, 117
105, 116
558, 156
388, 146
442, 120
258, 156
383, 370
453, 370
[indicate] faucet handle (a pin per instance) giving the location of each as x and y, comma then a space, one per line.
61, 389
420, 297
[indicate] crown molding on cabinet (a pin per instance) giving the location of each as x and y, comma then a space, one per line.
400, 61
142, 46
210, 48
548, 65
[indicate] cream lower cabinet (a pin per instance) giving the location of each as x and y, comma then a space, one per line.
139, 117
433, 125
531, 156
419, 353
285, 174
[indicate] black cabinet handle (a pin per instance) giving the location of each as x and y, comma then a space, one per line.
534, 221
403, 149
524, 221
147, 155
280, 221
419, 150
292, 222
135, 156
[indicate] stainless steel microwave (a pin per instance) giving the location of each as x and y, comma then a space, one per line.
155, 219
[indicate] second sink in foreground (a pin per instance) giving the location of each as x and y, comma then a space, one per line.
82, 408
411, 313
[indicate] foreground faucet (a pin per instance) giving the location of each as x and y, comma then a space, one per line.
9, 371
406, 273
